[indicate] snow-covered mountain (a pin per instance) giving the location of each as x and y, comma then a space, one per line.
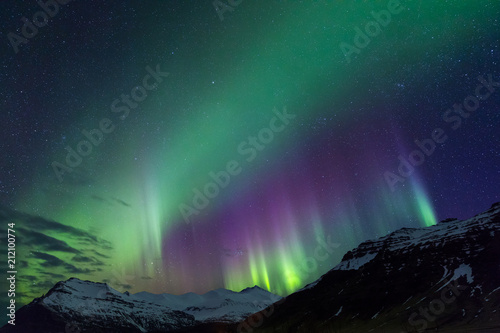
220, 305
83, 306
445, 276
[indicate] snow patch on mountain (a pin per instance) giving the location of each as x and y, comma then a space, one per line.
216, 305
98, 299
408, 238
355, 263
75, 298
463, 270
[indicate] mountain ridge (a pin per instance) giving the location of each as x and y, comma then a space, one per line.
75, 303
388, 284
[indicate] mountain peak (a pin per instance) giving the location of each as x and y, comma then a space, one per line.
76, 284
78, 299
80, 281
254, 288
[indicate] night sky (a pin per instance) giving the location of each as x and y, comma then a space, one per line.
285, 122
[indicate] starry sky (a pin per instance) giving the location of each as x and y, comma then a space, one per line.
170, 146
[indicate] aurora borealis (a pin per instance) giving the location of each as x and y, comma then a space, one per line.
318, 180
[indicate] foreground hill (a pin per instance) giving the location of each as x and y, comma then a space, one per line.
442, 278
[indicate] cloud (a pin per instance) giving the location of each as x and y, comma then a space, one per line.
98, 198
52, 251
79, 258
110, 201
44, 242
48, 259
84, 259
100, 254
51, 261
122, 202
85, 238
36, 283
54, 275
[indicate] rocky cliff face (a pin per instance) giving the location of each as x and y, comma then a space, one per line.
443, 276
